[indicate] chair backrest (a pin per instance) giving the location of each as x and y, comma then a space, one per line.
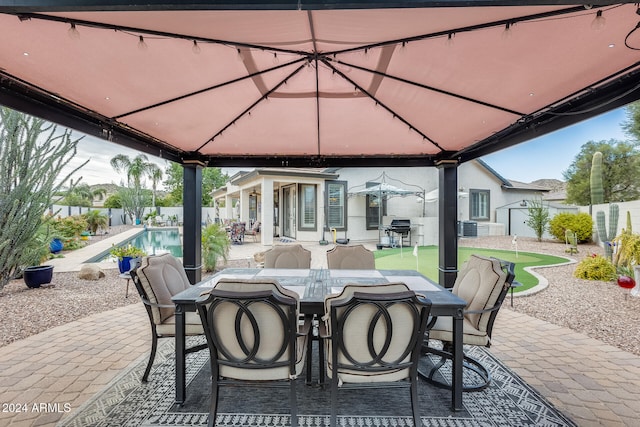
251, 327
287, 256
157, 279
483, 282
355, 257
376, 332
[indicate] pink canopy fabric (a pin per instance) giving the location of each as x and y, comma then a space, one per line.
323, 85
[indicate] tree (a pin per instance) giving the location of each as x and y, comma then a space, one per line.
632, 125
82, 195
155, 173
620, 172
32, 155
113, 201
537, 217
133, 199
211, 178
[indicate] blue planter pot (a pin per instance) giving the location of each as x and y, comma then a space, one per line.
56, 246
124, 264
37, 275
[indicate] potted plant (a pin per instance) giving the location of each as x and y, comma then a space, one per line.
125, 254
35, 274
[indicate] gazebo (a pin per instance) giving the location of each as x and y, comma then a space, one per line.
309, 84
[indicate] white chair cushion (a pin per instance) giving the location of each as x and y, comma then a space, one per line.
162, 277
480, 282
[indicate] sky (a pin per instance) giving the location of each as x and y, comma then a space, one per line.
546, 157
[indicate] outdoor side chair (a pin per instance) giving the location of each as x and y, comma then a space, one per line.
157, 279
355, 257
571, 241
482, 282
254, 337
287, 256
254, 231
372, 338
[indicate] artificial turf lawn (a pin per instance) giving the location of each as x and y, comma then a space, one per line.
427, 262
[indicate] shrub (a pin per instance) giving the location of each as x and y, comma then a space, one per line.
69, 227
215, 245
581, 223
596, 267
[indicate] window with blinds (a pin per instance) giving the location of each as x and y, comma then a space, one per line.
308, 213
336, 194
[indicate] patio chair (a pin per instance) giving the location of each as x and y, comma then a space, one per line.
157, 279
372, 338
254, 337
571, 241
253, 231
355, 257
483, 283
287, 256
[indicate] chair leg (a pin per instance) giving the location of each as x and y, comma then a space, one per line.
152, 356
469, 364
334, 400
294, 403
417, 422
213, 407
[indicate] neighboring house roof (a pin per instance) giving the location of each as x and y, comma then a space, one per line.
511, 184
524, 186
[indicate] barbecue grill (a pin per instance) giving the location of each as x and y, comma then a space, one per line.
396, 233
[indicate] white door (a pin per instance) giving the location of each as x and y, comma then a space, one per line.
289, 211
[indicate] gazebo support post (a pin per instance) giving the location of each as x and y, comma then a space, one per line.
192, 220
447, 223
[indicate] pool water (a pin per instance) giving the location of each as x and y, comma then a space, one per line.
153, 242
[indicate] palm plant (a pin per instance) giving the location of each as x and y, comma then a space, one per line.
215, 245
96, 219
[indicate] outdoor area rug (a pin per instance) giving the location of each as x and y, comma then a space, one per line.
508, 401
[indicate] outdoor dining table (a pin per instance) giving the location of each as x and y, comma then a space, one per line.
313, 285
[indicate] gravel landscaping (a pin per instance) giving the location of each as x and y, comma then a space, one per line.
601, 310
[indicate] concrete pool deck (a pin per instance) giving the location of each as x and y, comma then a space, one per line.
74, 260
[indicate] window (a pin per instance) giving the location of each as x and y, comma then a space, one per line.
374, 214
336, 193
479, 204
253, 207
308, 205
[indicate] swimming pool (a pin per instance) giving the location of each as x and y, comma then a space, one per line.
153, 242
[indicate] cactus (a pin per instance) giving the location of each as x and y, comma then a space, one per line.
628, 229
597, 190
597, 197
614, 211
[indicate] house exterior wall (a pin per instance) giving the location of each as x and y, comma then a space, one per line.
514, 216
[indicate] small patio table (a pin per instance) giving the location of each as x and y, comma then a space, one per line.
313, 285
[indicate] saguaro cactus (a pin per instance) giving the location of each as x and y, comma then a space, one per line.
605, 237
597, 197
597, 190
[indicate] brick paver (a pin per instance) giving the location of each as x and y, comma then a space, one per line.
591, 382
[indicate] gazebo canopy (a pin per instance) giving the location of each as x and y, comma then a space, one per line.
262, 83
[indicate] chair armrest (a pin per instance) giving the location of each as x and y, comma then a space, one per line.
486, 310
305, 327
322, 330
153, 304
